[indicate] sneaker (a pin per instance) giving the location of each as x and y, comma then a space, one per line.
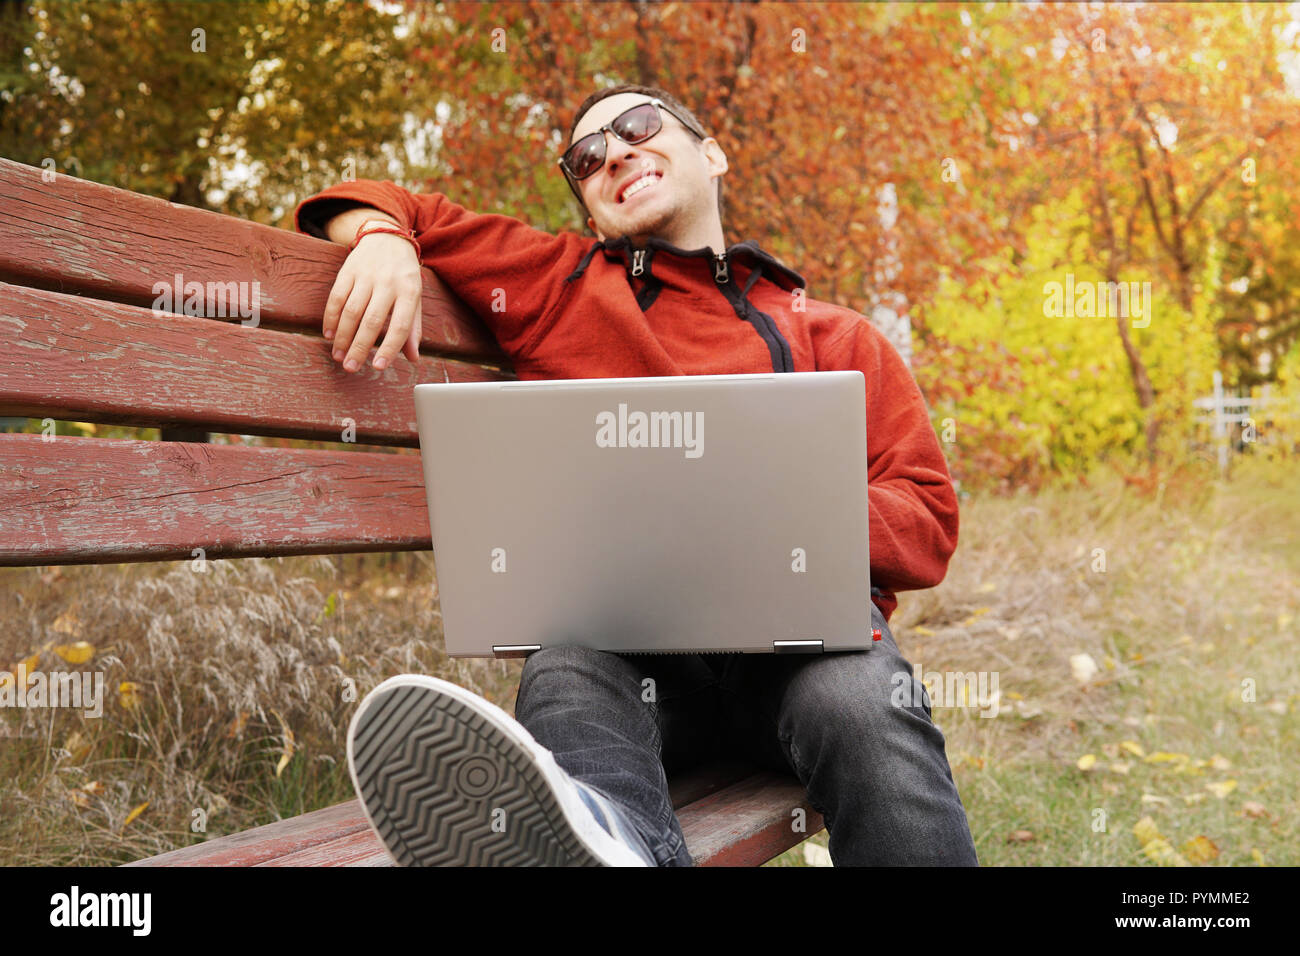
447, 778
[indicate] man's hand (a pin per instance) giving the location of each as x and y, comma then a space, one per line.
378, 287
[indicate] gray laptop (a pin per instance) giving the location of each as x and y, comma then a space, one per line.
697, 513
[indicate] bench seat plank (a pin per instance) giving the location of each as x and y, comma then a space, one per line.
748, 822
744, 818
95, 500
76, 236
67, 358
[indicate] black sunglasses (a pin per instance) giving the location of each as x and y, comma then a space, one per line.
632, 126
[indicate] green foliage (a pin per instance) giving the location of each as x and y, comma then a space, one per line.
239, 107
1053, 395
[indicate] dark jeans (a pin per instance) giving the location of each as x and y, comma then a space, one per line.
876, 772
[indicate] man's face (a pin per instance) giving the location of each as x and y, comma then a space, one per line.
680, 196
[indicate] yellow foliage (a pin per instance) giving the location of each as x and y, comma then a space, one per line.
1050, 395
77, 653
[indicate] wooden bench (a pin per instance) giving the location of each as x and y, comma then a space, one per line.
78, 266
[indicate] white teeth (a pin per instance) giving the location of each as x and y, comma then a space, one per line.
639, 185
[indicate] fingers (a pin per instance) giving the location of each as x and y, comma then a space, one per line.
372, 323
342, 288
412, 347
405, 310
350, 317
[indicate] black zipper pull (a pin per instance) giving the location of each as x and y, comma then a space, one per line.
638, 261
720, 272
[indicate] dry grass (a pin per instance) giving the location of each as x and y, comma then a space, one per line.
229, 662
1199, 591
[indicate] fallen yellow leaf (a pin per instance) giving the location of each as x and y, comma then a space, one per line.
1086, 762
128, 694
1133, 747
286, 753
988, 587
1200, 849
1155, 846
1257, 856
1162, 756
1222, 789
30, 665
77, 653
1153, 798
1121, 766
130, 817
923, 631
1220, 763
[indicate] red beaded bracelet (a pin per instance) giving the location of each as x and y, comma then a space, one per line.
389, 229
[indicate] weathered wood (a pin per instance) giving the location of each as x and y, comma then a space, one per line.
69, 358
74, 500
743, 824
271, 841
80, 237
749, 822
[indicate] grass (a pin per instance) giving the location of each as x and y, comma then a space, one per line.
248, 672
1200, 592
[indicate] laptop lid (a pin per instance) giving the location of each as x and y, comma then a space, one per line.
697, 513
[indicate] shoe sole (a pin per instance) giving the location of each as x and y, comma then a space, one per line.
446, 780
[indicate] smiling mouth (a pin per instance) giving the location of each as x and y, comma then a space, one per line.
636, 186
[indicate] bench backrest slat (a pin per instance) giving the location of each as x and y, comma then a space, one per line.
88, 501
78, 265
80, 237
70, 358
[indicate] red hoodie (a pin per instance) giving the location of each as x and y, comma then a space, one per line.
565, 306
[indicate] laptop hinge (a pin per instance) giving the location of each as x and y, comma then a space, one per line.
514, 650
797, 647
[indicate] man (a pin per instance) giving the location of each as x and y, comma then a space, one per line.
447, 777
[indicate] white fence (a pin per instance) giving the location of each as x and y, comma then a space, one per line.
1224, 410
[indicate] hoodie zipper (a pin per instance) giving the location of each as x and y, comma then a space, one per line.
638, 261
721, 274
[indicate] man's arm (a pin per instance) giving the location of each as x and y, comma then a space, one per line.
911, 501
509, 273
342, 228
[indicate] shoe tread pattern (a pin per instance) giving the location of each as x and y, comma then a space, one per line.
412, 749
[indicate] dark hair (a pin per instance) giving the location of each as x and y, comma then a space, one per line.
689, 118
